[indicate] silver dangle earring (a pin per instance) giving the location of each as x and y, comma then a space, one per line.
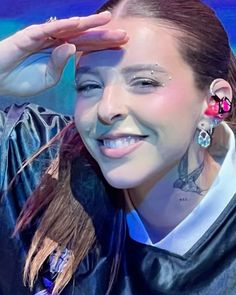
204, 138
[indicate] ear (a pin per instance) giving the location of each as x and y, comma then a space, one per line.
221, 88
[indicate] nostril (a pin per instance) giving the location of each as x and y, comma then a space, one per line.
109, 118
117, 116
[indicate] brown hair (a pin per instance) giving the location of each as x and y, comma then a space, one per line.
64, 224
204, 45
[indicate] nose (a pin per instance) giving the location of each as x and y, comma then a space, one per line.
112, 105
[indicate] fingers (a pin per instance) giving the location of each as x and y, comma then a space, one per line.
37, 37
78, 24
62, 37
97, 35
59, 57
89, 41
99, 39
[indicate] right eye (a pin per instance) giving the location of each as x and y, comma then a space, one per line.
89, 88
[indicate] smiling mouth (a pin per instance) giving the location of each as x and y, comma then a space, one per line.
120, 142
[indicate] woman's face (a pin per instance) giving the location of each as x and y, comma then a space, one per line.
137, 107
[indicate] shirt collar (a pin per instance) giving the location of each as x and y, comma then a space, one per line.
182, 238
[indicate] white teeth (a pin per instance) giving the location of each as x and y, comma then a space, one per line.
120, 142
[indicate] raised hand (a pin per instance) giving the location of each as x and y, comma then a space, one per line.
33, 59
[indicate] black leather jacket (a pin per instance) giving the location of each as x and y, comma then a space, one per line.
209, 268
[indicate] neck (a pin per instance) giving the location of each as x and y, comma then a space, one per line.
164, 202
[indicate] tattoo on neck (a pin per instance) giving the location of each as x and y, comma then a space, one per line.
187, 181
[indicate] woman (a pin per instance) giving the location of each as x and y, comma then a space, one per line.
154, 213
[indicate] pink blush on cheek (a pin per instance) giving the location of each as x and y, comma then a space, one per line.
160, 106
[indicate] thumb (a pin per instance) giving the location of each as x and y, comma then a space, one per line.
59, 58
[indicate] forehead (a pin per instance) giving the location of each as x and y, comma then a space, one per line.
150, 42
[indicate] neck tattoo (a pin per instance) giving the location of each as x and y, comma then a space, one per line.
187, 181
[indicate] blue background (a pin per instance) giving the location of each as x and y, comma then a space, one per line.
16, 14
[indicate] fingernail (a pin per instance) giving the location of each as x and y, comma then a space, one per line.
106, 12
74, 18
123, 33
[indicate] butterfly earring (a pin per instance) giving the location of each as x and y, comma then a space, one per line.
216, 111
218, 107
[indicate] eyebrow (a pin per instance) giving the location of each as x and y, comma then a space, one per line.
125, 71
143, 67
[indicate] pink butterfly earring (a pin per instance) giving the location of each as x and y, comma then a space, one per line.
217, 110
218, 107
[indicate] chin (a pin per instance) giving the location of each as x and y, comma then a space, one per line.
122, 181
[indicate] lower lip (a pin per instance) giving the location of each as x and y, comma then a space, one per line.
118, 153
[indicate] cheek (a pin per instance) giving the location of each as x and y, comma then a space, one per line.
84, 115
172, 114
160, 108
172, 103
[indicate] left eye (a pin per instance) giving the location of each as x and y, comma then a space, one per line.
144, 83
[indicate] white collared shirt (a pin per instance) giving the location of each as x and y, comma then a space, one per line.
182, 238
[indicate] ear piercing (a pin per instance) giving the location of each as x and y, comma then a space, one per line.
218, 107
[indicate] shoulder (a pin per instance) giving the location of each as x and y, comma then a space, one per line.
31, 119
23, 112
23, 130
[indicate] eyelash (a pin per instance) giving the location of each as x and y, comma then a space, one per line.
86, 86
149, 82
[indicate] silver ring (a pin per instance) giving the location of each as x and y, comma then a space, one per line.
51, 19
